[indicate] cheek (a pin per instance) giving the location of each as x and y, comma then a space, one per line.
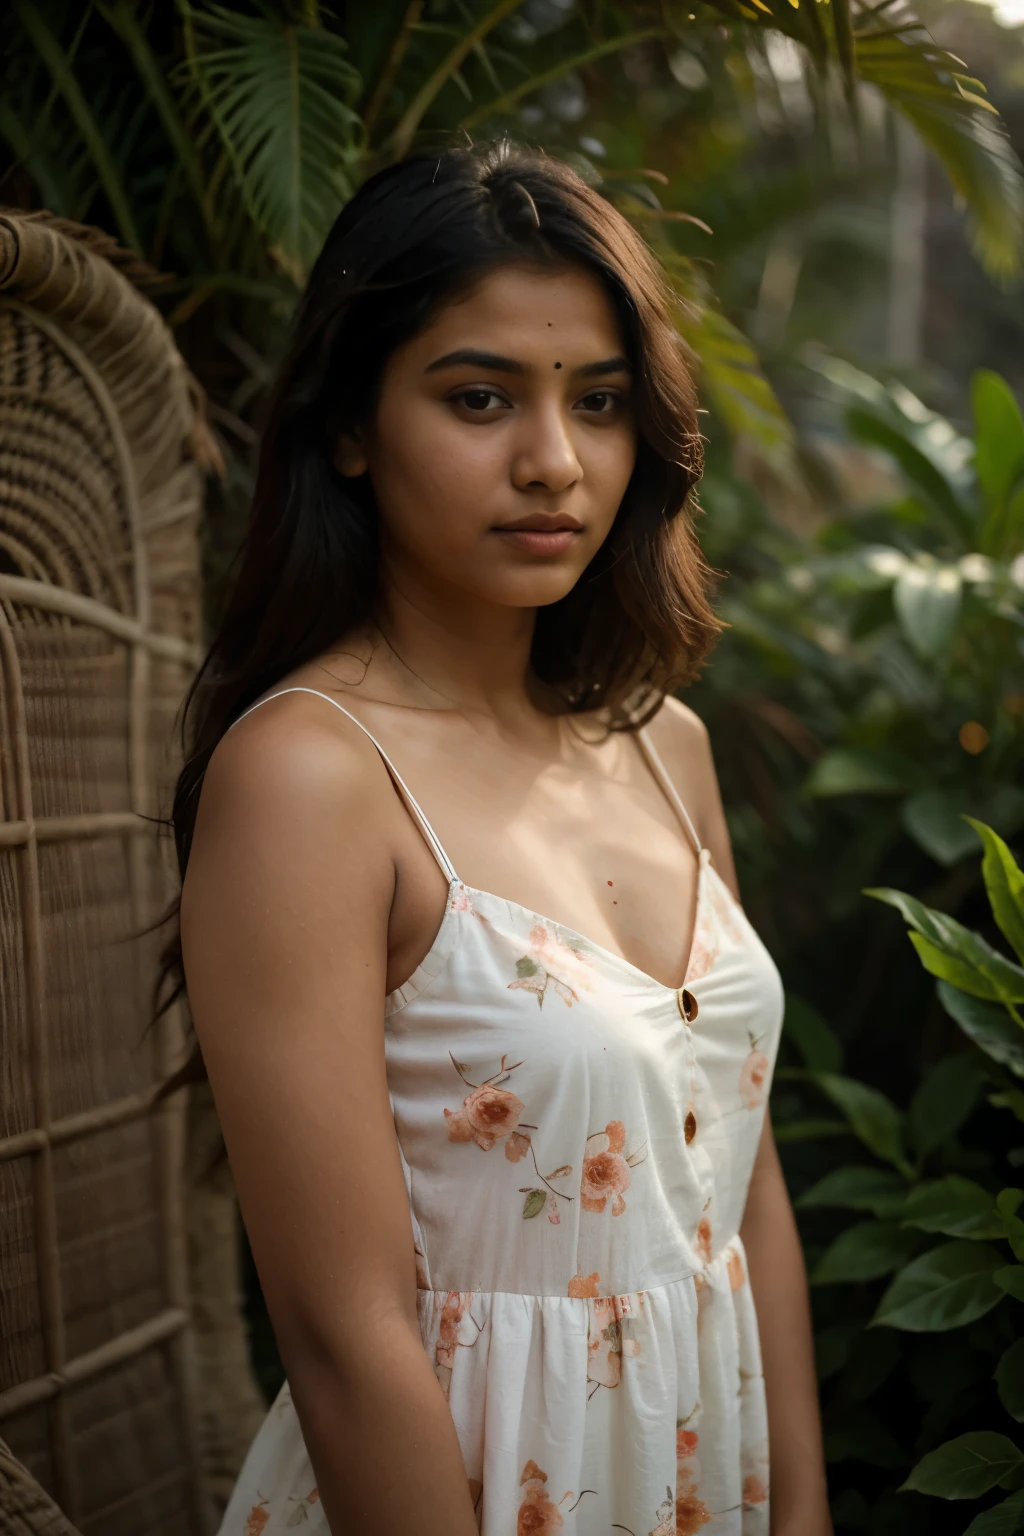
429, 475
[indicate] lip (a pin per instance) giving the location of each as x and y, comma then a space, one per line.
538, 534
540, 541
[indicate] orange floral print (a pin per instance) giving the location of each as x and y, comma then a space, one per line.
452, 1312
487, 1114
691, 1514
606, 1173
582, 1285
538, 1516
549, 960
753, 1076
610, 1338
735, 1270
702, 1242
754, 1491
258, 1517
461, 902
687, 1441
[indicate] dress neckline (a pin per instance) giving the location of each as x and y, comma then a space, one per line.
432, 962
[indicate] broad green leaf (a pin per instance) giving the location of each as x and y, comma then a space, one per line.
945, 1288
934, 820
864, 1252
966, 1467
1011, 1280
999, 447
923, 474
1005, 1519
878, 1190
988, 1025
954, 953
1008, 1203
955, 1206
280, 95
873, 1118
927, 600
815, 1039
944, 1100
1010, 1380
848, 771
534, 1203
1004, 882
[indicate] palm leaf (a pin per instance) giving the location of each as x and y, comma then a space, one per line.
279, 95
962, 130
885, 45
405, 130
62, 72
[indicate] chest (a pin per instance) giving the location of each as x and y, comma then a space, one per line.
590, 841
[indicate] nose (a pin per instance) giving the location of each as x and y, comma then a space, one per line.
545, 457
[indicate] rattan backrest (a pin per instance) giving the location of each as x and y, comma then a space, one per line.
99, 627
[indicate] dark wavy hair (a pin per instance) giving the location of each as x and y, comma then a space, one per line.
637, 624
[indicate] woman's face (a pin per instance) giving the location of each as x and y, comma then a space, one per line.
503, 439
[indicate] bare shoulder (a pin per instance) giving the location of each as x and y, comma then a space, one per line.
682, 741
291, 780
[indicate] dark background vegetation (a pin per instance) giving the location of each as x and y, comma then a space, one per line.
841, 213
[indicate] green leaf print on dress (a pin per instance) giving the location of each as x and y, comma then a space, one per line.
550, 960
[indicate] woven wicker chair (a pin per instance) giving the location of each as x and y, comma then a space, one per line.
101, 457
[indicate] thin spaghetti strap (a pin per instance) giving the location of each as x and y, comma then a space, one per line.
411, 803
672, 794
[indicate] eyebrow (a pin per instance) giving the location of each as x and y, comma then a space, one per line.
494, 362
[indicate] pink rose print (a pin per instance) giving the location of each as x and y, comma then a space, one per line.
491, 1113
691, 1513
582, 1285
606, 1173
702, 1242
537, 1515
461, 902
735, 1270
687, 1441
487, 1114
610, 1337
753, 1076
448, 1340
549, 960
257, 1519
754, 1491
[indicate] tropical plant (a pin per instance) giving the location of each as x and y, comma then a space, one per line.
220, 139
954, 1283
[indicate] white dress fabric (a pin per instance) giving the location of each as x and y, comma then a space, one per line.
577, 1141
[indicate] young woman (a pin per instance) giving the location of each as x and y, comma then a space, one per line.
488, 1032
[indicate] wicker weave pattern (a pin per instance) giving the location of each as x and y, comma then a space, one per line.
99, 494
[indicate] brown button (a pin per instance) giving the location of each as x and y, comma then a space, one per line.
687, 1004
690, 1127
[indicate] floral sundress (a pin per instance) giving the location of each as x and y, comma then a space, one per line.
577, 1141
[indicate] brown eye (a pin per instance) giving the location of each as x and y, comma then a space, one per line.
479, 400
602, 402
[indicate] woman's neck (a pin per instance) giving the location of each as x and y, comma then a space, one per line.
438, 650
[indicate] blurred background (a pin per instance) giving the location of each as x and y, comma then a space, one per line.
836, 190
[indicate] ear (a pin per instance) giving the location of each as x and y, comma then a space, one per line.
350, 454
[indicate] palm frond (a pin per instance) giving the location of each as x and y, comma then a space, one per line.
405, 130
279, 95
62, 71
504, 103
960, 127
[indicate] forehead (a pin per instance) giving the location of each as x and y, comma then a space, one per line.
522, 311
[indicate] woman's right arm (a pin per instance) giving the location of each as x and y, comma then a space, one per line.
284, 928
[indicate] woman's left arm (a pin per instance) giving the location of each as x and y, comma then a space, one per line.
799, 1496
778, 1278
